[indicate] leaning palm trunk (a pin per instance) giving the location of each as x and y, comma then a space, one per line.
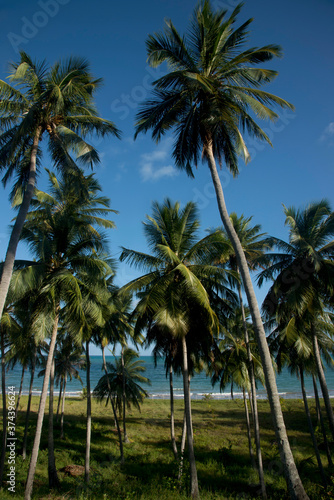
125, 436
172, 426
59, 398
322, 380
20, 392
8, 265
52, 470
187, 405
254, 400
4, 407
41, 409
294, 484
25, 437
323, 430
251, 454
63, 409
309, 421
113, 408
89, 416
183, 445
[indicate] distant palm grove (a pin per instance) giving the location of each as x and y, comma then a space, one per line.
193, 301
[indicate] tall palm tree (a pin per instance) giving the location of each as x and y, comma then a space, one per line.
254, 245
303, 275
8, 327
293, 347
231, 363
56, 102
207, 97
68, 360
173, 295
61, 232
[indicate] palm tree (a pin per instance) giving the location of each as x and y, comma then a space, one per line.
61, 233
254, 245
231, 364
303, 277
8, 325
56, 102
291, 342
68, 360
132, 373
165, 346
173, 295
208, 97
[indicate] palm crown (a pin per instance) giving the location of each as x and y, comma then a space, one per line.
56, 100
211, 90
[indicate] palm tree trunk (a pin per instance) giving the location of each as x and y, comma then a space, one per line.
8, 265
4, 406
322, 380
89, 416
41, 409
254, 399
125, 436
20, 391
183, 444
113, 408
63, 409
32, 375
172, 426
59, 398
309, 420
294, 484
52, 470
251, 454
316, 395
187, 405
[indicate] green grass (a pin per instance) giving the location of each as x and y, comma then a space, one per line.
150, 471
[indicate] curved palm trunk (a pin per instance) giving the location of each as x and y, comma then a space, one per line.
322, 380
59, 398
4, 407
52, 470
251, 454
294, 484
89, 416
25, 437
172, 426
187, 406
63, 409
18, 225
125, 436
183, 444
309, 421
254, 400
20, 392
323, 430
41, 409
113, 408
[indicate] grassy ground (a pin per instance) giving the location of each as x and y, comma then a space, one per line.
150, 471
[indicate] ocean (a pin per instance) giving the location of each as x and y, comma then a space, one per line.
288, 385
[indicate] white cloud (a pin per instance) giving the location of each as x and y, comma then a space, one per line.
149, 172
328, 134
154, 165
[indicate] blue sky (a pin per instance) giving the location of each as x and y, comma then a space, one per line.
111, 35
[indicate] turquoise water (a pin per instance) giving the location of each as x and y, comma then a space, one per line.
288, 385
